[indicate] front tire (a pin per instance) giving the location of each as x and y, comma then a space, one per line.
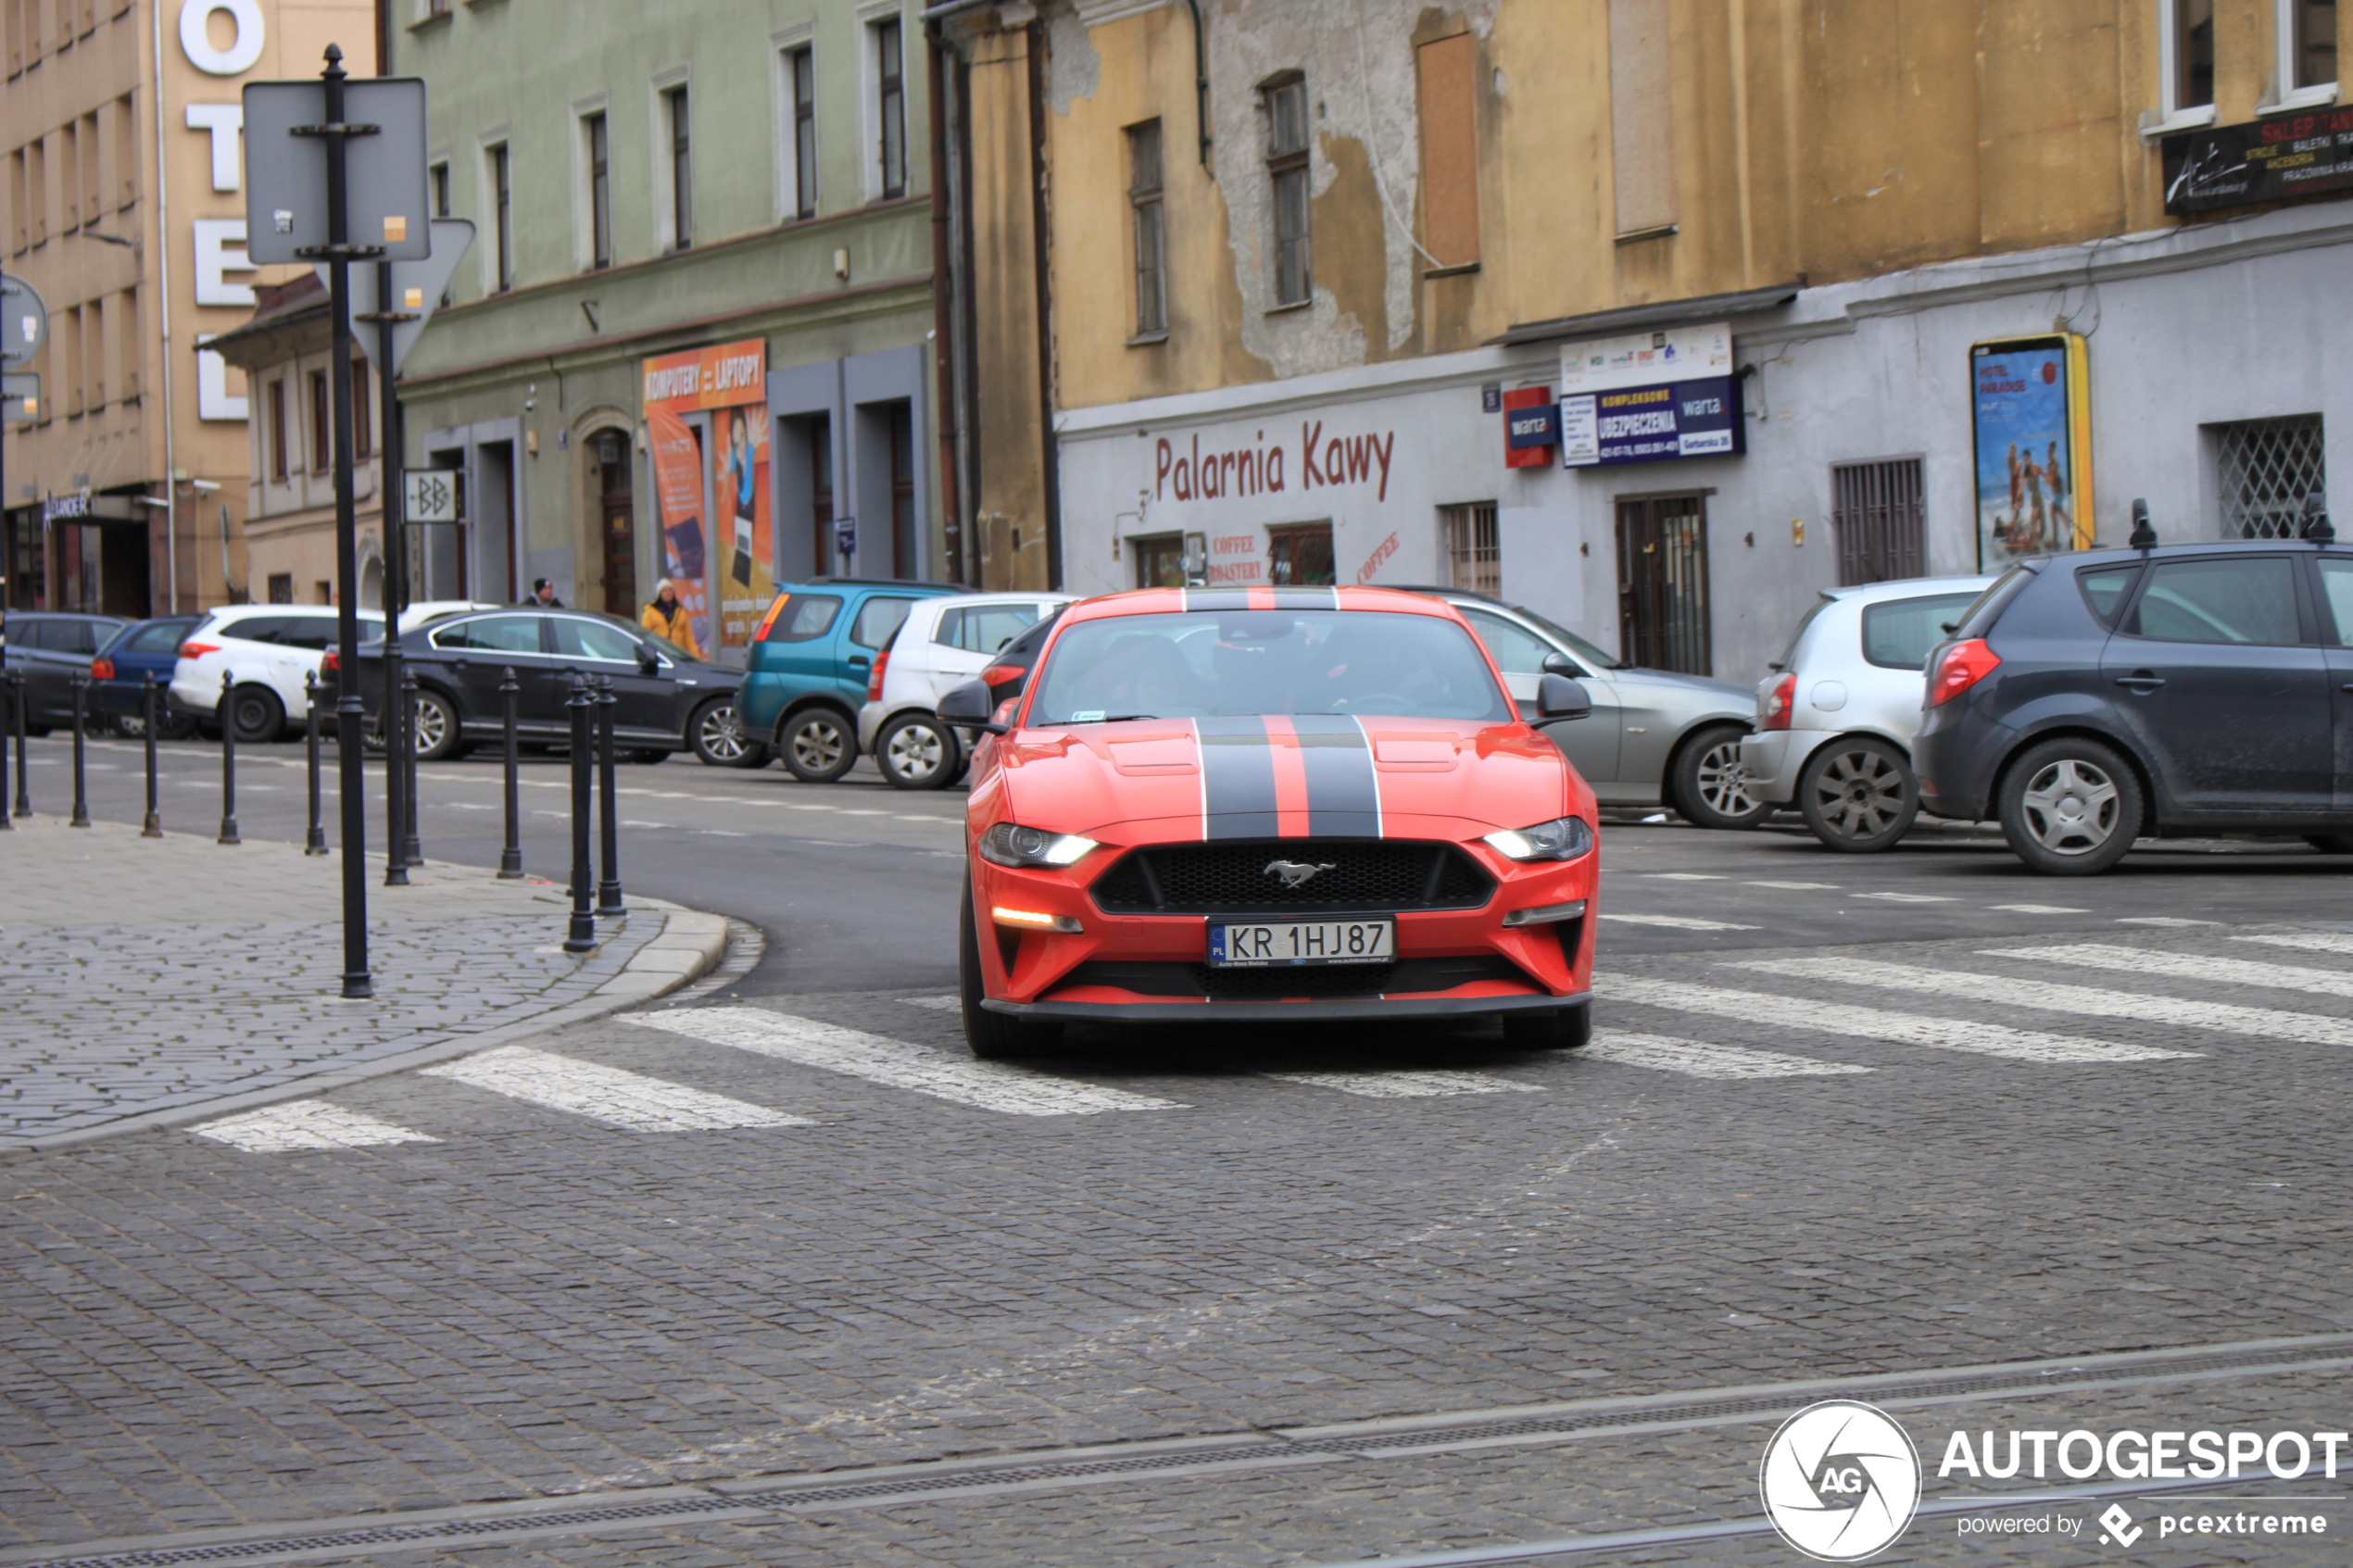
2069, 807
992, 1036
716, 733
257, 714
819, 744
1858, 796
1708, 783
915, 751
1567, 1029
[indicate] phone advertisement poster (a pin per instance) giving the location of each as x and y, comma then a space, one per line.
707, 422
2031, 413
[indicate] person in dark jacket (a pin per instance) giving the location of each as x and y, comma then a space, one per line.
542, 594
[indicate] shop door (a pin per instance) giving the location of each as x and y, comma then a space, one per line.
1160, 561
617, 511
1662, 583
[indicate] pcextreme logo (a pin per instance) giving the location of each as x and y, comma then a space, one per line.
1840, 1480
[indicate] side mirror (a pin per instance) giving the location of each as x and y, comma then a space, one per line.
649, 663
969, 706
1561, 664
1560, 700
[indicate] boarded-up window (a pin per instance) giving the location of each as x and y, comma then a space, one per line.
1450, 153
1641, 115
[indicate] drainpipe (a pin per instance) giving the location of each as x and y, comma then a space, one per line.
1201, 82
944, 284
163, 322
1042, 231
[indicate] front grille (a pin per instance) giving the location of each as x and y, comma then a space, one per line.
1187, 980
1230, 877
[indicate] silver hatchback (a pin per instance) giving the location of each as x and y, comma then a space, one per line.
1655, 737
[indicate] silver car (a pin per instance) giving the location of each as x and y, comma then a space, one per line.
1835, 721
1656, 736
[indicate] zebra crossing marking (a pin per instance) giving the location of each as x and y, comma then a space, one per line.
1699, 1059
610, 1094
1680, 922
1403, 1083
2038, 908
2052, 997
1871, 1023
2188, 966
2312, 941
304, 1123
985, 1086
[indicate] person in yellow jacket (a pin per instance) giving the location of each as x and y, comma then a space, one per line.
667, 617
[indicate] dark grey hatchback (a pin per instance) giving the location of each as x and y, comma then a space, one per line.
2084, 700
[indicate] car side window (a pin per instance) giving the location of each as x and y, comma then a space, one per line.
1897, 634
2246, 599
83, 636
162, 637
492, 633
878, 621
253, 627
983, 628
805, 618
2105, 588
29, 633
1517, 650
590, 639
2336, 592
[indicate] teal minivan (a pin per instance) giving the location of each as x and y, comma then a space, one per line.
811, 662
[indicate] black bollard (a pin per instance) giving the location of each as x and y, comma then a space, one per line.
228, 768
81, 818
314, 841
6, 691
410, 852
583, 935
15, 706
152, 826
608, 889
510, 856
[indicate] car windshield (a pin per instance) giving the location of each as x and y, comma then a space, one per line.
1575, 643
1203, 663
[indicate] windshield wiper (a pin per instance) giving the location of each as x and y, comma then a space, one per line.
1108, 718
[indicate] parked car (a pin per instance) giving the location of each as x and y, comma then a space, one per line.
49, 648
943, 644
811, 660
668, 698
265, 650
1655, 735
2092, 698
1834, 720
142, 648
1299, 806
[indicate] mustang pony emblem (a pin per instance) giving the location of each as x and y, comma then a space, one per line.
1295, 874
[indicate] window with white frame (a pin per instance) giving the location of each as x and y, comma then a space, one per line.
890, 108
499, 182
2185, 60
679, 161
1474, 557
797, 130
596, 190
2306, 34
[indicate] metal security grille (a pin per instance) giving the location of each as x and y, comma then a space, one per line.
1473, 560
1880, 520
2267, 467
1662, 584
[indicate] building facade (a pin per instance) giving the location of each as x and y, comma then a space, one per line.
121, 122
694, 338
1772, 296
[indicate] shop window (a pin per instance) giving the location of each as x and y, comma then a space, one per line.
1299, 554
1642, 117
1450, 153
1880, 520
1662, 583
1147, 214
1474, 555
2267, 467
1288, 172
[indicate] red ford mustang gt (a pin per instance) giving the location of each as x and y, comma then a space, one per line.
1267, 804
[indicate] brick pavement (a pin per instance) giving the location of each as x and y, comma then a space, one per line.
152, 979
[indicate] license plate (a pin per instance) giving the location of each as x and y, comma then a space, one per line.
1286, 943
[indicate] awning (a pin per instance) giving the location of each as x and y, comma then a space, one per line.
1640, 318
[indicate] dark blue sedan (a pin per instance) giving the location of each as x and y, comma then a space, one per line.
142, 647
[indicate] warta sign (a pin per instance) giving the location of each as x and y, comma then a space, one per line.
1647, 397
1322, 459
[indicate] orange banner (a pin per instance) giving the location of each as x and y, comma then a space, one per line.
719, 561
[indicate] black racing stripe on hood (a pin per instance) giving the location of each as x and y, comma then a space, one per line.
1343, 793
1238, 778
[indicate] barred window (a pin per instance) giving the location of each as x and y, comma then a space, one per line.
2267, 467
1473, 559
1880, 521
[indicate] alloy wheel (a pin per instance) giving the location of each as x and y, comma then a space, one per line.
428, 725
1723, 780
1859, 793
817, 746
914, 752
2070, 806
720, 736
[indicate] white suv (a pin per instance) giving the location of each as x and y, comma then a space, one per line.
266, 650
1836, 720
942, 642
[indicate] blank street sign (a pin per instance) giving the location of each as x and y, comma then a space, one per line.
20, 397
24, 321
432, 495
286, 174
416, 289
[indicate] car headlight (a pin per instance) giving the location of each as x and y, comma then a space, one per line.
1563, 839
1006, 845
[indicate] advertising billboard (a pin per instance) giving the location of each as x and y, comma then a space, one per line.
2031, 410
1698, 418
707, 423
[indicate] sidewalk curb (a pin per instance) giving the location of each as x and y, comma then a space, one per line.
689, 946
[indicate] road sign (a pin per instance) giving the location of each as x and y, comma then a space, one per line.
384, 172
416, 290
432, 495
24, 321
845, 535
20, 397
